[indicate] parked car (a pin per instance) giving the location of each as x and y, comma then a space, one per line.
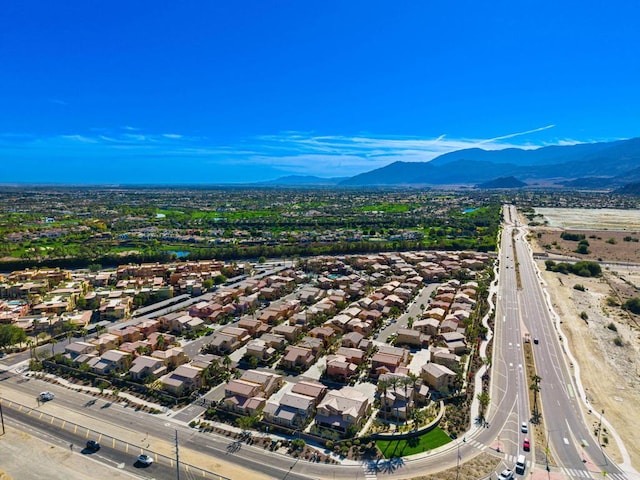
505, 475
46, 396
145, 460
535, 340
93, 445
524, 428
526, 445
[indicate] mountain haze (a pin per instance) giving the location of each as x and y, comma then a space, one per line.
546, 165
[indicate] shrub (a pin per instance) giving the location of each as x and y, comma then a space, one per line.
633, 305
582, 249
578, 286
611, 241
618, 341
584, 316
612, 327
574, 237
612, 302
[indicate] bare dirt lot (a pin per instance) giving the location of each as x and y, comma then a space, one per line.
604, 338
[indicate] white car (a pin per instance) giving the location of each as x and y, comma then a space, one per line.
524, 428
505, 475
145, 460
46, 396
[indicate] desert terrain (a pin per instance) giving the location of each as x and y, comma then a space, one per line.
604, 338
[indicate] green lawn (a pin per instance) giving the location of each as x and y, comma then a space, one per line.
402, 448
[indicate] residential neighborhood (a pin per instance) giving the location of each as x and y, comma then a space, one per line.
296, 346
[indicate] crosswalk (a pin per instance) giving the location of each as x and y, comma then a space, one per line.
369, 473
575, 473
569, 473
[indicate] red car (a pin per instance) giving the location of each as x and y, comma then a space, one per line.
526, 446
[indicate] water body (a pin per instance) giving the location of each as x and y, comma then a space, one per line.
179, 253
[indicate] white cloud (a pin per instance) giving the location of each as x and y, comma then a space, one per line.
288, 152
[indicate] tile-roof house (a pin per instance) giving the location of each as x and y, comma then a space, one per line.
443, 356
314, 344
183, 379
326, 334
297, 358
352, 339
427, 325
353, 355
292, 410
340, 369
456, 342
407, 336
311, 389
111, 361
172, 357
74, 349
105, 342
259, 349
290, 332
269, 382
342, 409
438, 377
146, 367
274, 340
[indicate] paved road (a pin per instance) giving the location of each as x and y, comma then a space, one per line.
568, 434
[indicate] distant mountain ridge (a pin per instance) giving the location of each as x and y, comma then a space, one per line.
611, 162
503, 182
304, 180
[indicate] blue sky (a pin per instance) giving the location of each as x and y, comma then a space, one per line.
243, 91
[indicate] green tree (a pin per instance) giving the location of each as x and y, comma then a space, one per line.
10, 335
484, 400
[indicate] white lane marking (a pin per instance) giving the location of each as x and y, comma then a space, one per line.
565, 440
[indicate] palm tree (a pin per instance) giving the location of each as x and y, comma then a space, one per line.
383, 385
30, 344
535, 388
226, 361
53, 343
160, 342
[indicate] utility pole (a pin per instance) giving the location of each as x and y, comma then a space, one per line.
177, 459
2, 417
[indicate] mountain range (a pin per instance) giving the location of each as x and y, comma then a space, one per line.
604, 165
607, 164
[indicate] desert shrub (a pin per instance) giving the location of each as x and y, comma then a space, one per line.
611, 241
574, 237
612, 302
612, 327
583, 247
633, 305
579, 286
584, 316
618, 341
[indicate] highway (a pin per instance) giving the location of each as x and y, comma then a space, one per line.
569, 438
